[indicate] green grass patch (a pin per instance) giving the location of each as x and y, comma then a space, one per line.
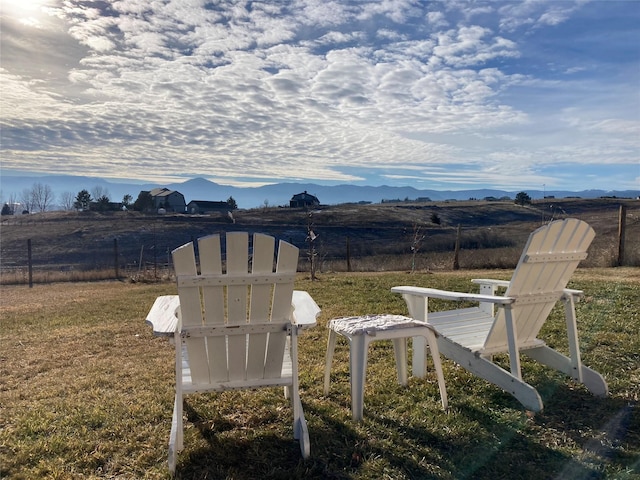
86, 391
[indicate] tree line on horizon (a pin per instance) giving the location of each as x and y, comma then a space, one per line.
40, 198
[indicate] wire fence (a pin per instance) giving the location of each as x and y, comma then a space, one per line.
37, 261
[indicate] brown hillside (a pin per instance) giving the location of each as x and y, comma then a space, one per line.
87, 240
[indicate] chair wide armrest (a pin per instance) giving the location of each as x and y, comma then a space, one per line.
163, 316
305, 309
454, 296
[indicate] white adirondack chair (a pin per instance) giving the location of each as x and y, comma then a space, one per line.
237, 329
471, 336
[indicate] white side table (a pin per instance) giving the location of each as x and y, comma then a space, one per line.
362, 330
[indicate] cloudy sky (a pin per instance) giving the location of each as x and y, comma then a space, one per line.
442, 95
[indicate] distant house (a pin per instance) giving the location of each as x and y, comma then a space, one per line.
203, 207
304, 199
169, 200
105, 206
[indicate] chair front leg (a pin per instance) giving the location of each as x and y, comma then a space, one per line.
512, 341
419, 357
418, 307
572, 334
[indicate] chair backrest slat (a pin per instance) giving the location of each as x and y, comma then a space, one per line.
213, 302
549, 258
259, 309
191, 313
237, 264
287, 262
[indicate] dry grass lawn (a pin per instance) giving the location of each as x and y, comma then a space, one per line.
86, 391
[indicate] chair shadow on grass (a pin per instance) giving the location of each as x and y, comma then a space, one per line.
499, 443
231, 454
508, 449
507, 446
600, 426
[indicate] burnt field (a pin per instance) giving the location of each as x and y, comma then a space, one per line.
390, 236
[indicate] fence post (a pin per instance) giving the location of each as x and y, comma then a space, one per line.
456, 262
348, 255
140, 261
115, 256
30, 263
622, 227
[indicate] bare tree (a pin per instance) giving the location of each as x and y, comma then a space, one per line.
67, 199
416, 243
42, 196
99, 191
311, 238
26, 199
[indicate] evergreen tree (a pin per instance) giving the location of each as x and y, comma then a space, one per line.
523, 198
6, 209
144, 202
103, 203
83, 200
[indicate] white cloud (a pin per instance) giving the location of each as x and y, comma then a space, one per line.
468, 46
396, 10
168, 89
437, 19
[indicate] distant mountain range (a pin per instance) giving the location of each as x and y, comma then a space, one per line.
277, 194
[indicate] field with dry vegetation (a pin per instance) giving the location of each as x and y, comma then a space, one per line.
76, 246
